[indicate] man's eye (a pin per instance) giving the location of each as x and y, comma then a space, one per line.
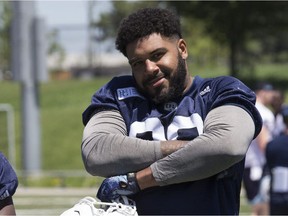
157, 56
137, 63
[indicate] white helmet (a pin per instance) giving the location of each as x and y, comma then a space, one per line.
87, 207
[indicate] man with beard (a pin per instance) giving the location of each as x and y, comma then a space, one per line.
173, 143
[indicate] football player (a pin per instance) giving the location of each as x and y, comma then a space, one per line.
277, 163
173, 142
8, 186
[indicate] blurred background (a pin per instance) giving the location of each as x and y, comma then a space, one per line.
55, 54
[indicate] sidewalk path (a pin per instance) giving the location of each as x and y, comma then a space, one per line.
54, 201
48, 201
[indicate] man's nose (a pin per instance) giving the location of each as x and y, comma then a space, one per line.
151, 67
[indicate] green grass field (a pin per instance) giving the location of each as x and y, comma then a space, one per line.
61, 106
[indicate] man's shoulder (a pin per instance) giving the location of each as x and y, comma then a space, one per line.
121, 87
227, 81
220, 84
218, 81
121, 81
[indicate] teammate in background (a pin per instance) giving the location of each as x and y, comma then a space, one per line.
277, 105
255, 157
172, 142
277, 163
8, 186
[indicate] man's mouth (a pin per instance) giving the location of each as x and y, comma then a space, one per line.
157, 81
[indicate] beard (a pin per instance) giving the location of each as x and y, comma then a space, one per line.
177, 84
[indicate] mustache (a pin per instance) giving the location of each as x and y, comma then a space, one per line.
155, 76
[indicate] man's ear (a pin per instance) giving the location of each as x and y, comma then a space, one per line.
182, 47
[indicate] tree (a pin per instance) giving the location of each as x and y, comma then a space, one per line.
109, 22
203, 48
6, 14
55, 50
245, 30
5, 51
233, 23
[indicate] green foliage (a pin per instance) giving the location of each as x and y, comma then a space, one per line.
202, 49
6, 14
109, 22
233, 23
5, 25
233, 33
55, 49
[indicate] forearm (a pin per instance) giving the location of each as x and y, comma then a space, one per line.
145, 177
263, 138
228, 132
170, 146
108, 151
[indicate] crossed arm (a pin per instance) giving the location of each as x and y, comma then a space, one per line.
108, 151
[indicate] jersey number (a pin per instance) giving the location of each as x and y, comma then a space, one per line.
181, 128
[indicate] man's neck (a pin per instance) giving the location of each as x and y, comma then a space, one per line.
189, 82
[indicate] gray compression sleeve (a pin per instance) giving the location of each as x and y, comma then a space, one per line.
228, 131
108, 151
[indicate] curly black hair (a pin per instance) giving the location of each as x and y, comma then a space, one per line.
145, 22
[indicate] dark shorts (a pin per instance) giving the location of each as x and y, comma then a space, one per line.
278, 209
251, 186
279, 204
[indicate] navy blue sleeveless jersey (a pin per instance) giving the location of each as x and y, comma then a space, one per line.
180, 119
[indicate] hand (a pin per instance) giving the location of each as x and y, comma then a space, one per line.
116, 186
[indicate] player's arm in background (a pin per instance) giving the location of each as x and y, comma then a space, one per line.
7, 207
